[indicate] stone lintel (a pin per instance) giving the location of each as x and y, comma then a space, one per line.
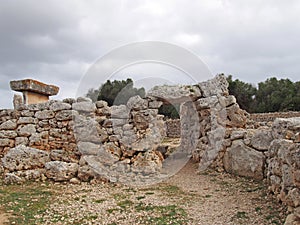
30, 85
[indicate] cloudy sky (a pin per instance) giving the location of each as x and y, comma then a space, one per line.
56, 42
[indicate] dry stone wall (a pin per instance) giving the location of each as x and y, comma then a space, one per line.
72, 138
78, 140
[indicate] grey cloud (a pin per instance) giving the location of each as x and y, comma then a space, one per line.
56, 41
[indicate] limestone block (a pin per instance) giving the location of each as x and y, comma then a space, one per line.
69, 100
26, 120
45, 114
101, 104
260, 139
120, 112
216, 86
175, 93
61, 171
8, 125
58, 106
241, 160
293, 197
236, 116
154, 104
238, 134
18, 101
24, 158
85, 106
11, 178
65, 115
83, 99
137, 103
59, 155
26, 130
34, 86
88, 148
8, 134
21, 141
6, 142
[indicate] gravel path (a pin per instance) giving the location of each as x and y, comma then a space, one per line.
186, 198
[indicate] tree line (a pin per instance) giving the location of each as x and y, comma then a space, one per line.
272, 95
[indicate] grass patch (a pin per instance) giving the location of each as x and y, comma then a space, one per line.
124, 204
24, 202
169, 214
100, 200
140, 197
241, 215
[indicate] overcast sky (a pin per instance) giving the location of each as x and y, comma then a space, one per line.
57, 41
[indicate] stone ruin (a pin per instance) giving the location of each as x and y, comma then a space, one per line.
33, 91
81, 141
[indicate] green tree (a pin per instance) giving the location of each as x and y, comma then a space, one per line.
277, 95
170, 111
115, 92
244, 93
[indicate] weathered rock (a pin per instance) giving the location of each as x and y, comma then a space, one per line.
83, 99
216, 86
111, 148
8, 134
11, 178
27, 113
244, 161
21, 141
60, 155
58, 106
84, 106
26, 120
154, 104
74, 180
291, 220
18, 101
260, 139
206, 103
69, 100
137, 103
227, 101
101, 104
281, 126
236, 116
175, 93
61, 171
86, 130
45, 114
119, 112
65, 115
147, 163
26, 175
6, 142
238, 134
293, 197
24, 158
26, 130
280, 149
8, 125
287, 179
34, 86
88, 148
85, 173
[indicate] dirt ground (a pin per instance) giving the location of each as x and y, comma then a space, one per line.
186, 198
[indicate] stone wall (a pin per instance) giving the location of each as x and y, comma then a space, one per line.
283, 164
77, 140
72, 138
173, 128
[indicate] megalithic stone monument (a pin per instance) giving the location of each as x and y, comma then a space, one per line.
34, 91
